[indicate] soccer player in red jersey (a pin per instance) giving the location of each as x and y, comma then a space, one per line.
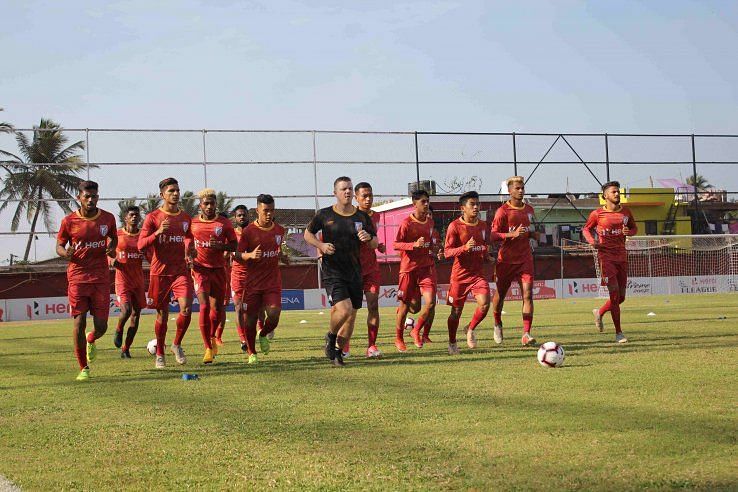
86, 238
167, 231
238, 270
612, 224
212, 235
467, 244
343, 228
370, 269
515, 258
414, 241
129, 280
260, 246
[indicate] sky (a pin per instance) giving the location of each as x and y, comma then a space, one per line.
538, 66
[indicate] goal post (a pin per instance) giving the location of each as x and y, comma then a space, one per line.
679, 264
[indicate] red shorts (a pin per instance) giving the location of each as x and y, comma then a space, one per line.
211, 281
237, 283
255, 301
135, 296
92, 298
161, 285
507, 273
614, 273
412, 284
458, 291
370, 282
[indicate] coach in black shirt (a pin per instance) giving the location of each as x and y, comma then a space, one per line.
344, 227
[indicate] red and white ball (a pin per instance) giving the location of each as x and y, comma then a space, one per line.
551, 354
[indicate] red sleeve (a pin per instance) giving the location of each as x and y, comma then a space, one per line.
632, 231
147, 237
62, 236
230, 232
453, 247
400, 244
499, 223
589, 225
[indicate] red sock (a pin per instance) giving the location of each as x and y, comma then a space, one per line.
214, 319
221, 325
453, 327
373, 332
259, 324
203, 320
160, 329
498, 317
91, 337
605, 308
269, 326
527, 321
80, 352
241, 332
615, 310
129, 337
477, 318
419, 324
399, 329
119, 327
183, 322
251, 339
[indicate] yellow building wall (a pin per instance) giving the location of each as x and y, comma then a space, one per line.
654, 204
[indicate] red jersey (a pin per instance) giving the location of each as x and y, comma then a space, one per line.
204, 231
412, 258
367, 254
89, 238
264, 273
238, 266
467, 264
609, 228
170, 247
129, 271
507, 219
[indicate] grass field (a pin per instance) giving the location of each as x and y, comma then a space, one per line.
659, 412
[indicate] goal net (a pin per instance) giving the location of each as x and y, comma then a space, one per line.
692, 264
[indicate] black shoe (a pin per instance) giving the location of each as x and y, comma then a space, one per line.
338, 359
244, 348
118, 339
125, 354
330, 344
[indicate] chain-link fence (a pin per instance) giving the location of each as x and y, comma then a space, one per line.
563, 172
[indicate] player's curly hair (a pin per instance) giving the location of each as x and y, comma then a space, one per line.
206, 193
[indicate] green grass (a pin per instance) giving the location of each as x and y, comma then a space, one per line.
658, 413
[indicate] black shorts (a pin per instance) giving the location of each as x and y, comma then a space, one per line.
339, 289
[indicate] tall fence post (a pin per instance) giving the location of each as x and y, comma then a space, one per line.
417, 161
317, 205
87, 151
204, 159
515, 155
694, 189
607, 158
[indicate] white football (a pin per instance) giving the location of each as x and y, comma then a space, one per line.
409, 323
151, 346
551, 354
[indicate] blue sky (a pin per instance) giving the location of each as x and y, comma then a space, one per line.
561, 66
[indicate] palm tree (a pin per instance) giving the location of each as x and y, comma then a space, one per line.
152, 202
47, 171
700, 183
188, 203
223, 203
5, 127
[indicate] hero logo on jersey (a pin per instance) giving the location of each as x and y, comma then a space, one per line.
104, 230
218, 230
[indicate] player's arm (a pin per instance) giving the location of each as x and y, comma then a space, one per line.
534, 233
62, 240
311, 237
371, 233
113, 243
231, 242
401, 240
453, 247
149, 232
627, 229
589, 226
